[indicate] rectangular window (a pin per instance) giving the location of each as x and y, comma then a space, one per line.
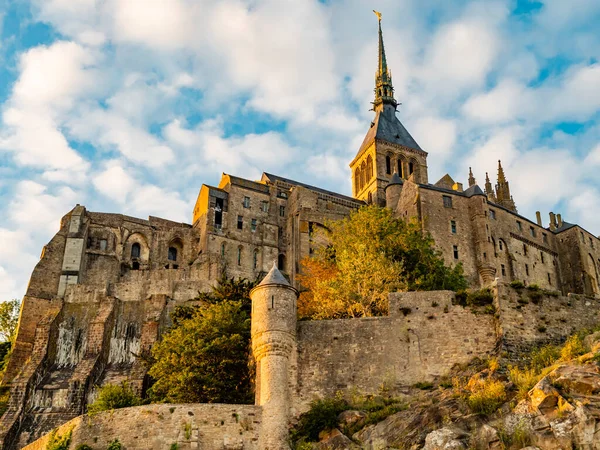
503, 270
591, 243
265, 206
246, 202
239, 257
455, 250
240, 222
492, 214
253, 225
549, 279
532, 231
281, 194
519, 226
545, 238
542, 257
524, 249
219, 213
281, 211
447, 201
527, 269
453, 226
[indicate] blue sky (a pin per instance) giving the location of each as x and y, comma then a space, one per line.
130, 105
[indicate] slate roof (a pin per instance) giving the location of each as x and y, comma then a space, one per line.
274, 277
474, 190
395, 180
387, 127
564, 227
274, 178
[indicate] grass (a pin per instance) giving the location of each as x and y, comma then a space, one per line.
518, 437
573, 348
484, 395
59, 442
523, 379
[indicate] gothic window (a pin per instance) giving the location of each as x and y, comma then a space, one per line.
136, 249
172, 255
357, 180
388, 165
239, 256
369, 167
411, 168
363, 175
219, 214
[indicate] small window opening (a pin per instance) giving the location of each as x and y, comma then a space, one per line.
447, 201
492, 214
219, 214
524, 249
253, 225
135, 250
239, 256
527, 269
453, 226
265, 206
103, 244
255, 259
411, 168
281, 211
172, 254
532, 231
223, 249
135, 266
281, 262
542, 257
519, 226
503, 270
240, 223
545, 238
455, 250
246, 202
549, 279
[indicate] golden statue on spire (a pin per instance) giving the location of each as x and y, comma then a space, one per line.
378, 14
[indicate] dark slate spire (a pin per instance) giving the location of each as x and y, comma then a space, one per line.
384, 91
472, 181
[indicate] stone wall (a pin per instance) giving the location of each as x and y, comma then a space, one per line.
157, 427
422, 338
526, 323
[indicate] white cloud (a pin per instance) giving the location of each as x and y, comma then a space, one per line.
152, 200
499, 105
114, 182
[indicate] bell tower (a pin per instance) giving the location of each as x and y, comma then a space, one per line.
388, 147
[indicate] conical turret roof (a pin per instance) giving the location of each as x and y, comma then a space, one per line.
274, 277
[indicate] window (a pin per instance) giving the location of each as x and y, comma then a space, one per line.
239, 256
135, 250
135, 266
542, 257
545, 238
492, 214
500, 245
453, 226
281, 194
265, 206
485, 256
281, 211
411, 168
532, 231
281, 262
582, 236
253, 225
255, 259
455, 250
223, 249
527, 269
503, 270
519, 226
388, 165
103, 244
525, 249
550, 279
447, 201
591, 243
240, 223
219, 213
172, 254
246, 202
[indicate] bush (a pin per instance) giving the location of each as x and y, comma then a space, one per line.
520, 437
485, 395
523, 379
544, 357
481, 297
573, 348
424, 385
58, 442
114, 396
321, 416
517, 284
83, 447
115, 445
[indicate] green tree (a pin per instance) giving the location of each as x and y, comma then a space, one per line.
9, 318
205, 358
370, 254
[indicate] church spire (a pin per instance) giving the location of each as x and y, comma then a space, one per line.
384, 91
503, 190
472, 181
489, 191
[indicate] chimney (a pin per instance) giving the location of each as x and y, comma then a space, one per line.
538, 216
552, 221
559, 218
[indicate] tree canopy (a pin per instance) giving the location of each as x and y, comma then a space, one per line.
370, 254
205, 357
9, 317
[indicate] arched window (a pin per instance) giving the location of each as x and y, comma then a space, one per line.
281, 262
411, 168
255, 259
172, 254
136, 250
369, 167
401, 168
239, 256
363, 175
388, 165
357, 180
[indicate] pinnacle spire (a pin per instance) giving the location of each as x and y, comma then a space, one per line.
501, 177
472, 181
384, 91
503, 190
489, 190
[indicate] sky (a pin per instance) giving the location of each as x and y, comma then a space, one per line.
129, 106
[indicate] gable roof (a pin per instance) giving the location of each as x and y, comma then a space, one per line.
274, 178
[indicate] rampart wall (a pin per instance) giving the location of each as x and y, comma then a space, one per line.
157, 427
422, 338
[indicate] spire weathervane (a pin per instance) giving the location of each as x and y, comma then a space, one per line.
378, 14
384, 91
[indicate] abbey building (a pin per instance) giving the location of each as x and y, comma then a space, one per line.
106, 283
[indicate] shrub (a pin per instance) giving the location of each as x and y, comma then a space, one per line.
114, 396
321, 416
461, 298
517, 284
174, 446
424, 385
115, 445
573, 348
485, 395
481, 297
520, 437
83, 447
533, 287
544, 356
59, 442
523, 379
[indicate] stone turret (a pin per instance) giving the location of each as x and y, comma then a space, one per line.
393, 191
273, 341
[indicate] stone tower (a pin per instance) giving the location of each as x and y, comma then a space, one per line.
273, 341
388, 147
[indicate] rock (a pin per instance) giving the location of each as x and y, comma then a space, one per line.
349, 418
544, 396
445, 439
578, 379
487, 438
592, 341
335, 440
531, 448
